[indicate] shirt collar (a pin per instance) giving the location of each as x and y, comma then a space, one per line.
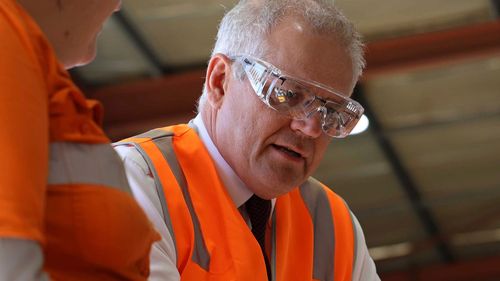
238, 191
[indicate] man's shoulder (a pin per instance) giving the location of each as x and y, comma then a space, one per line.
148, 136
131, 157
130, 151
18, 44
9, 14
22, 33
154, 134
125, 150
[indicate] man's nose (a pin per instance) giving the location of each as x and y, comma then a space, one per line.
309, 126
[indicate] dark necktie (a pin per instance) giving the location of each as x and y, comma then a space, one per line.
258, 210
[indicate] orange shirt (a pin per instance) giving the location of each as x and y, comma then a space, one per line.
38, 104
90, 229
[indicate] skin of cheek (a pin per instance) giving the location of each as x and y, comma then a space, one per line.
246, 145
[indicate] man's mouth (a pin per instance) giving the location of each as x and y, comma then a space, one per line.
287, 151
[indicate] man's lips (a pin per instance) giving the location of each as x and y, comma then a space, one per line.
292, 152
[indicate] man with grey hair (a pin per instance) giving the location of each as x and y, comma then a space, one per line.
231, 193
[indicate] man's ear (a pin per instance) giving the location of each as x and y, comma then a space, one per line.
218, 71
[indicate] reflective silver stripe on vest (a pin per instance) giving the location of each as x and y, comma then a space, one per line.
158, 186
319, 208
78, 163
200, 252
159, 191
154, 134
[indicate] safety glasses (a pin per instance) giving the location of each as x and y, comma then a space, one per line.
301, 99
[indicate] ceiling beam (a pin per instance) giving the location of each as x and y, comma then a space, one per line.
430, 49
495, 6
137, 106
135, 36
170, 96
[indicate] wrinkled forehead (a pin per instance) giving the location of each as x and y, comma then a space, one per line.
296, 49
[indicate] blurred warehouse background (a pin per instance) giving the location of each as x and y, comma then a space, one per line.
423, 179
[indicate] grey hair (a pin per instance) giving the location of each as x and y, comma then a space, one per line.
244, 29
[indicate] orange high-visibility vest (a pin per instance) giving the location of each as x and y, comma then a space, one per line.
310, 236
61, 183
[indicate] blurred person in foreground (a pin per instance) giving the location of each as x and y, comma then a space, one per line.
231, 192
66, 210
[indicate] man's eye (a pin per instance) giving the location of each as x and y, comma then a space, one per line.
286, 95
331, 110
290, 94
343, 118
331, 122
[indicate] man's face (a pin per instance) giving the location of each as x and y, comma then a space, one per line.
75, 29
269, 151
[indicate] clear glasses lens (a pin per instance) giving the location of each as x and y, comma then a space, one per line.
339, 121
300, 100
290, 97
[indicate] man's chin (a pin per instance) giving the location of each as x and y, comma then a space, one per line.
279, 187
81, 61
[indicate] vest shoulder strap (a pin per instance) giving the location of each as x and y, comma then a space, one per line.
334, 231
156, 147
147, 136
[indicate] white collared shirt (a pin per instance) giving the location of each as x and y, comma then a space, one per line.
163, 256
